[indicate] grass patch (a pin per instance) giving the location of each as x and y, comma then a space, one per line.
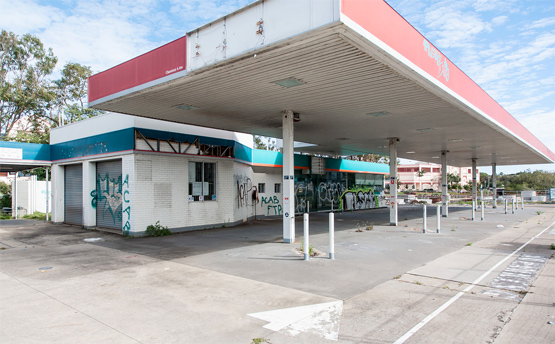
538, 212
469, 244
5, 217
552, 246
311, 251
259, 341
157, 230
37, 215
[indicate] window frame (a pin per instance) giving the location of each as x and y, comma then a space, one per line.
203, 196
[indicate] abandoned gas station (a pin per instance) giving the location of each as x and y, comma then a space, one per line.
339, 77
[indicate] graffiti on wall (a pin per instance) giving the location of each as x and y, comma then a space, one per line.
272, 205
126, 206
355, 199
113, 196
108, 195
304, 192
246, 191
330, 192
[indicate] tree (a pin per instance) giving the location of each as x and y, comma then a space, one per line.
453, 180
71, 91
28, 96
528, 180
259, 143
5, 195
420, 174
24, 87
381, 159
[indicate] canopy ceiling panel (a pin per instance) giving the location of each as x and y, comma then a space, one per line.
352, 90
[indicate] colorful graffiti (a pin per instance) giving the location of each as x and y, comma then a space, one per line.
108, 193
127, 208
111, 194
272, 204
355, 199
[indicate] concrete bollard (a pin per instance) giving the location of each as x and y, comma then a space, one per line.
438, 218
306, 244
473, 211
521, 202
424, 218
505, 206
513, 205
482, 210
332, 235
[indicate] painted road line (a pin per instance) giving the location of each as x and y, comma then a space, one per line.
320, 319
467, 289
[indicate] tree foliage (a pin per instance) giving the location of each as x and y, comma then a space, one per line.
264, 143
381, 159
453, 180
528, 180
29, 96
24, 87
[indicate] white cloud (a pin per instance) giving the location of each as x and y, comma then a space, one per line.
541, 23
500, 20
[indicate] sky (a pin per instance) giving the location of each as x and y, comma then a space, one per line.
506, 46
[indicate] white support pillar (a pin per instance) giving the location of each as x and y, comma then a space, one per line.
14, 196
89, 184
288, 178
393, 181
474, 185
47, 195
444, 193
494, 183
58, 186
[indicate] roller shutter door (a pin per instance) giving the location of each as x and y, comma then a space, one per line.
73, 194
109, 195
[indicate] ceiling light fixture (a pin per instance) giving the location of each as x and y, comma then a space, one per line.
289, 82
342, 138
424, 130
411, 152
455, 140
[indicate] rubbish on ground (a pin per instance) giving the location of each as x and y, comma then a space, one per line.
500, 226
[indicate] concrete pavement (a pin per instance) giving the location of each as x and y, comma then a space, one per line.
232, 285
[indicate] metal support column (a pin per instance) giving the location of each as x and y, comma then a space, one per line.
494, 183
393, 181
474, 184
444, 193
288, 178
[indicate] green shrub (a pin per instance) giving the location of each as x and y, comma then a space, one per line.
37, 215
157, 230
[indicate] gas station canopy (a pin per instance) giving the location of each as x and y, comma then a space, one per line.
355, 72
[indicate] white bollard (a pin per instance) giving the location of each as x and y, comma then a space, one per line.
306, 246
521, 202
482, 210
424, 218
438, 217
473, 211
513, 205
332, 236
